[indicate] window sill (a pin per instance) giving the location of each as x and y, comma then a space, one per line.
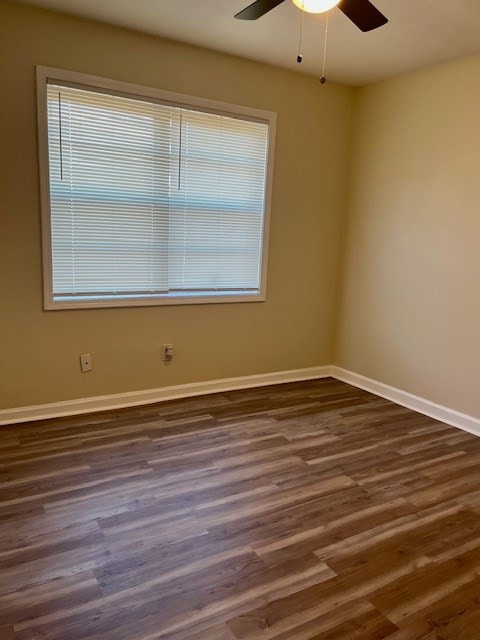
59, 303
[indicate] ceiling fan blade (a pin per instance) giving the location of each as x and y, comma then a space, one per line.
363, 14
258, 9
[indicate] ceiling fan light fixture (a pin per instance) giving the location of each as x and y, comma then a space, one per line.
315, 6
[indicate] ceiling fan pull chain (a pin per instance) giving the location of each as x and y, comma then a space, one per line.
323, 79
300, 44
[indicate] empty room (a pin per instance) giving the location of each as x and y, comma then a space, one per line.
240, 320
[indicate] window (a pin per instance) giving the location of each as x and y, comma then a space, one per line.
150, 197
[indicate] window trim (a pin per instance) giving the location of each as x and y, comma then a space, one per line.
50, 74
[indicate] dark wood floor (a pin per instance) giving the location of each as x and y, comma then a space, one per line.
309, 511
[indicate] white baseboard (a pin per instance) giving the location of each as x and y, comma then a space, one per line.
405, 399
150, 396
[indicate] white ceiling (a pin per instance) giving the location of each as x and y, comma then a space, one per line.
420, 33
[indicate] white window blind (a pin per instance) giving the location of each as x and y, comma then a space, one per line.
152, 200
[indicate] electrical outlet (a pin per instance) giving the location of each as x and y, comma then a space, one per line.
86, 362
167, 352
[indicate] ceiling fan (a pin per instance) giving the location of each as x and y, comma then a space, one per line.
361, 12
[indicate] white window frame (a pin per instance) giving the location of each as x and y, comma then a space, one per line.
86, 81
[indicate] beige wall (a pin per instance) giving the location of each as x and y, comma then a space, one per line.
409, 294
39, 350
410, 301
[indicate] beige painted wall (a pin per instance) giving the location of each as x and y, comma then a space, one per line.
410, 301
39, 350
